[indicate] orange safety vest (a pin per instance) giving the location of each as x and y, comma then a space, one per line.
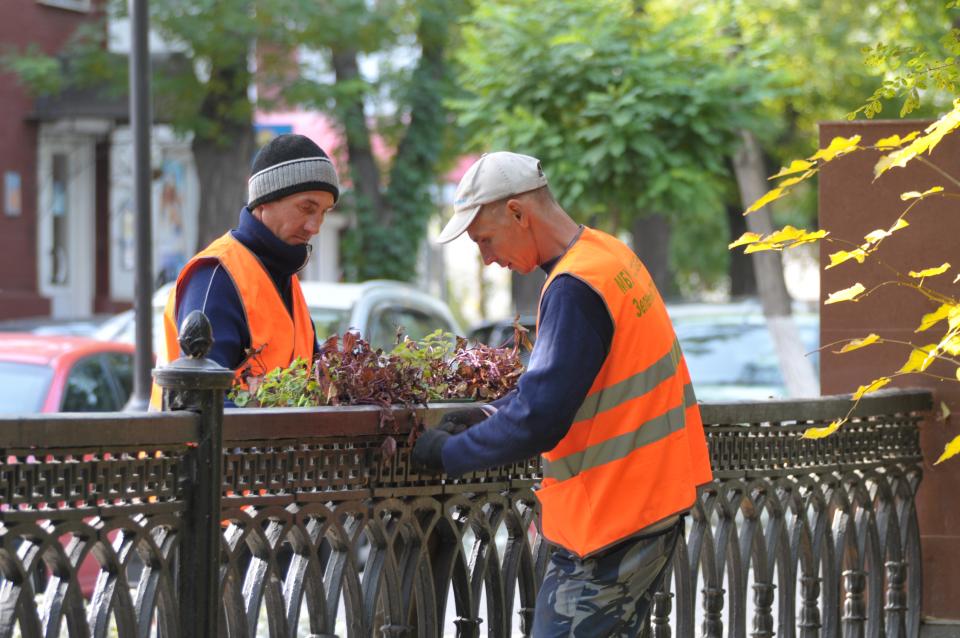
276, 337
636, 451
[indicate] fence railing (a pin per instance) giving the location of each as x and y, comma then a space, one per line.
293, 522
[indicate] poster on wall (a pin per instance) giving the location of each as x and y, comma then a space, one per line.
12, 196
170, 238
266, 132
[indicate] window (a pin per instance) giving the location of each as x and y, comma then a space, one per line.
60, 219
121, 365
23, 387
88, 388
413, 322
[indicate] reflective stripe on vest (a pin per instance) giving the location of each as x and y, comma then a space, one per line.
620, 446
636, 450
277, 337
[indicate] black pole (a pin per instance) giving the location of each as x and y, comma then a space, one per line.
139, 69
197, 384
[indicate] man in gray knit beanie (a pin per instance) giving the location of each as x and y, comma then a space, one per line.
246, 281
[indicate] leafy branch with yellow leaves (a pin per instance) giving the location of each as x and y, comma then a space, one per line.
897, 153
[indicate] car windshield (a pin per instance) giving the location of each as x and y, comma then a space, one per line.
23, 387
738, 356
329, 321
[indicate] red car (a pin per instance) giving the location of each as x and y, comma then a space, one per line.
63, 374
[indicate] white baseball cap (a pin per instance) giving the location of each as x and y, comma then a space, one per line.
493, 177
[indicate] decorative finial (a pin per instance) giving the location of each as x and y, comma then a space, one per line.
196, 335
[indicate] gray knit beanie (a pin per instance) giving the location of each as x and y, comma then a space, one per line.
290, 164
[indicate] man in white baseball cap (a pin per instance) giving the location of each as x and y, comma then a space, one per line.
606, 399
493, 177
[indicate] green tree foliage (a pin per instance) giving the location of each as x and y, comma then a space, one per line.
297, 45
392, 203
944, 319
630, 116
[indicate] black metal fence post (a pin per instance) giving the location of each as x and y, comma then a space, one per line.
197, 384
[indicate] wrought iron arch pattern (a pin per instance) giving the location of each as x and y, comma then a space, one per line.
323, 534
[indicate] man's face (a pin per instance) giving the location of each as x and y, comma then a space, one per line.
297, 218
502, 239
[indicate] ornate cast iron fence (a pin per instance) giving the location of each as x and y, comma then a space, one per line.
299, 522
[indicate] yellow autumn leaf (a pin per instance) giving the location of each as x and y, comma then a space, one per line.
919, 359
847, 294
796, 166
916, 194
930, 272
953, 447
746, 238
838, 146
839, 257
760, 246
807, 238
876, 235
793, 181
787, 233
873, 386
819, 433
856, 344
944, 410
923, 144
942, 127
933, 318
771, 196
895, 140
951, 345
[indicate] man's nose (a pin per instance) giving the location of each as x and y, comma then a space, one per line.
313, 223
487, 257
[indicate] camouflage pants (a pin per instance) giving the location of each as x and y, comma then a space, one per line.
609, 594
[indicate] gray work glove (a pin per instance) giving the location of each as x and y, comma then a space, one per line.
458, 421
427, 454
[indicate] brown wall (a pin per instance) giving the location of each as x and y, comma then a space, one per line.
851, 205
24, 22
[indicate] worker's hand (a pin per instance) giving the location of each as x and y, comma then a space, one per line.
427, 454
457, 421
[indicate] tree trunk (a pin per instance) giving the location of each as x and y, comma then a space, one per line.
390, 227
364, 172
223, 157
743, 281
796, 367
651, 242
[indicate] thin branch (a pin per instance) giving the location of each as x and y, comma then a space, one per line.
938, 169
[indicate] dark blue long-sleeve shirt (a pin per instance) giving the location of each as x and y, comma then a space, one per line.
572, 343
210, 289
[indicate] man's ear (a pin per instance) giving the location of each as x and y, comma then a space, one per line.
518, 212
